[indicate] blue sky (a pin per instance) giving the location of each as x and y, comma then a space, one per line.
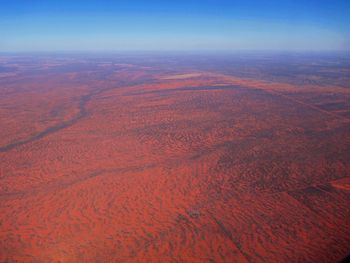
73, 25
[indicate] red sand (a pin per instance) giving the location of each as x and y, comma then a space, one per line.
165, 169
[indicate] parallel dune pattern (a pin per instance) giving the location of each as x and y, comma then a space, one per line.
107, 161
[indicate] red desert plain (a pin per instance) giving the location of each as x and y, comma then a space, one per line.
174, 159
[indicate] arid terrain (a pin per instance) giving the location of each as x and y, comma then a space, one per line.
165, 158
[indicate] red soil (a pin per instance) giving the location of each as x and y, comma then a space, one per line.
137, 166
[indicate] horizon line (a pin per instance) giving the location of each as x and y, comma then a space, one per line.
120, 51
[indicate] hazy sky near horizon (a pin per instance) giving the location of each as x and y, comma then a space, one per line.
67, 25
